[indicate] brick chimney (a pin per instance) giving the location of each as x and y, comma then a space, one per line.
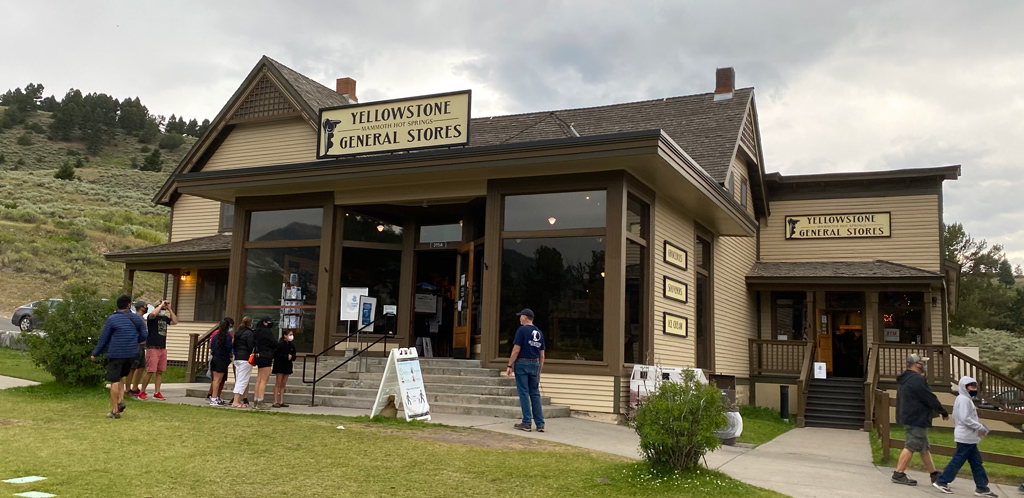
725, 83
347, 87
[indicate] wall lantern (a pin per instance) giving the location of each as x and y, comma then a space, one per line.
935, 302
185, 275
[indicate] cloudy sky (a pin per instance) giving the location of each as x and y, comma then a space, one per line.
840, 86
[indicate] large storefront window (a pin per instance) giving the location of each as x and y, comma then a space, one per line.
636, 230
378, 270
560, 211
562, 281
281, 272
211, 294
902, 316
702, 267
790, 315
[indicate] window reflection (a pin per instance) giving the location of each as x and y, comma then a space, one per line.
562, 281
268, 272
558, 211
288, 224
365, 228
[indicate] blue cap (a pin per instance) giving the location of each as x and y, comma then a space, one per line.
527, 312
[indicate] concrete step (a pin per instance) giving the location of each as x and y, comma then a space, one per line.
510, 412
433, 396
450, 379
843, 405
424, 362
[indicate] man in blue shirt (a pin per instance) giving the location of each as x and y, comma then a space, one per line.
527, 360
122, 333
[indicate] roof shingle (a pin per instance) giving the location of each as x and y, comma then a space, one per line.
212, 243
836, 269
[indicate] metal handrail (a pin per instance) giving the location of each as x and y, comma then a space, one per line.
317, 356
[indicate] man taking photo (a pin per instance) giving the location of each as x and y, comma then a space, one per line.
156, 345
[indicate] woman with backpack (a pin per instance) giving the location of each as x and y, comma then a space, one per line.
220, 358
265, 345
245, 346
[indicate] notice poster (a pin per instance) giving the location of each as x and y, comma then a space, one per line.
350, 301
367, 312
892, 335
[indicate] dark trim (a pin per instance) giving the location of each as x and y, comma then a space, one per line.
946, 172
664, 325
183, 257
686, 255
320, 119
664, 291
852, 190
834, 285
754, 283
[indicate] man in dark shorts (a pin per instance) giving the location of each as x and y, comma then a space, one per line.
916, 405
119, 342
526, 361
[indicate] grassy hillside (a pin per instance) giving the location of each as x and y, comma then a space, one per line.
54, 232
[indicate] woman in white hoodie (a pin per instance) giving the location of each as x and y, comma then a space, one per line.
967, 433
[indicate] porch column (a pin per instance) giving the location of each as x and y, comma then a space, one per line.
129, 281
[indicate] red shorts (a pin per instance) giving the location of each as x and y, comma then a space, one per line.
156, 360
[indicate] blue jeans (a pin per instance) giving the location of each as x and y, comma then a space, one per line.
965, 453
528, 386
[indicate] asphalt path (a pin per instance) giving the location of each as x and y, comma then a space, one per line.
5, 324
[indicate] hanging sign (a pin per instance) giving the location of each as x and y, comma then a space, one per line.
403, 380
440, 120
838, 226
350, 301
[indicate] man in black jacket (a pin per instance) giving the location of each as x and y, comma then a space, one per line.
916, 405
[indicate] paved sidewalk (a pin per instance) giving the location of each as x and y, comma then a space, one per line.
8, 382
813, 462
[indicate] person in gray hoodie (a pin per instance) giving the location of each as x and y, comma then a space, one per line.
967, 432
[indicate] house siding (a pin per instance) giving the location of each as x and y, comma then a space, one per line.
194, 217
735, 308
673, 225
265, 144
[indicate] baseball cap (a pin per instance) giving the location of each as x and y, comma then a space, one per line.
914, 358
267, 318
527, 312
140, 304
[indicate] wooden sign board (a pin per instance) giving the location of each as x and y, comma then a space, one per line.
676, 325
675, 290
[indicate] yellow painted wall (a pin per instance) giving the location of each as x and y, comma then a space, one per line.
177, 337
672, 224
767, 395
264, 144
194, 217
735, 313
914, 241
588, 393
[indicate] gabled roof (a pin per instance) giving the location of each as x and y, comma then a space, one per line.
707, 129
214, 245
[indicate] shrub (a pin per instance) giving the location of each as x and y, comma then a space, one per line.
3, 158
144, 149
35, 127
153, 162
73, 152
65, 172
677, 423
25, 139
79, 162
73, 328
135, 162
171, 141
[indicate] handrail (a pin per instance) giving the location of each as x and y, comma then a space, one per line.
198, 346
774, 357
316, 357
802, 383
870, 381
996, 388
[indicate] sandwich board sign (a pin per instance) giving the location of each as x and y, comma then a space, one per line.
403, 380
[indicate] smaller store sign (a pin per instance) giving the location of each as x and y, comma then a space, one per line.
892, 335
440, 120
838, 226
403, 379
675, 255
676, 325
819, 370
675, 290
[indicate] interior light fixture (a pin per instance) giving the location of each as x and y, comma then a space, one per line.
588, 197
551, 220
460, 223
602, 274
380, 227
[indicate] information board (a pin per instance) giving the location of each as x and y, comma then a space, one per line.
403, 379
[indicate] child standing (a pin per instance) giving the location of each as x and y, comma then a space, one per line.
284, 355
967, 433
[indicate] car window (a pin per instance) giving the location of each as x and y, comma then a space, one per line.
53, 302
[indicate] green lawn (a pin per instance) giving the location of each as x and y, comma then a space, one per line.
761, 425
16, 363
160, 449
1003, 474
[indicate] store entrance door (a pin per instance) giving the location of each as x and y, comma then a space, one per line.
845, 311
461, 335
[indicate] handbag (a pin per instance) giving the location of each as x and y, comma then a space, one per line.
252, 358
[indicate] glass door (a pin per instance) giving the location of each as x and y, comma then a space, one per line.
461, 335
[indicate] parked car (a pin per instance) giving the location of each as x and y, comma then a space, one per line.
23, 315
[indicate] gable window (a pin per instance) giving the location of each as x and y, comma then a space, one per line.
743, 192
227, 217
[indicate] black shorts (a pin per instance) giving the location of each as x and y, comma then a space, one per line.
140, 359
117, 368
282, 367
264, 362
219, 365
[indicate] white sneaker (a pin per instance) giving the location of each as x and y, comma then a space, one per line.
986, 494
942, 487
214, 402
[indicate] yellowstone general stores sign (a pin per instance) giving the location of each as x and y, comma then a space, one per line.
838, 226
440, 120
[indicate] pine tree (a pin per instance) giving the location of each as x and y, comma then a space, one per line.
203, 127
153, 162
192, 128
65, 172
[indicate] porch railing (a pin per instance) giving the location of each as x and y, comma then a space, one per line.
387, 318
198, 354
994, 387
785, 358
803, 383
892, 361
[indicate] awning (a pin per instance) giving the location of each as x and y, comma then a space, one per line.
212, 251
841, 272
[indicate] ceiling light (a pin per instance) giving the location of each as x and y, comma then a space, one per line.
380, 228
551, 220
588, 197
602, 274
